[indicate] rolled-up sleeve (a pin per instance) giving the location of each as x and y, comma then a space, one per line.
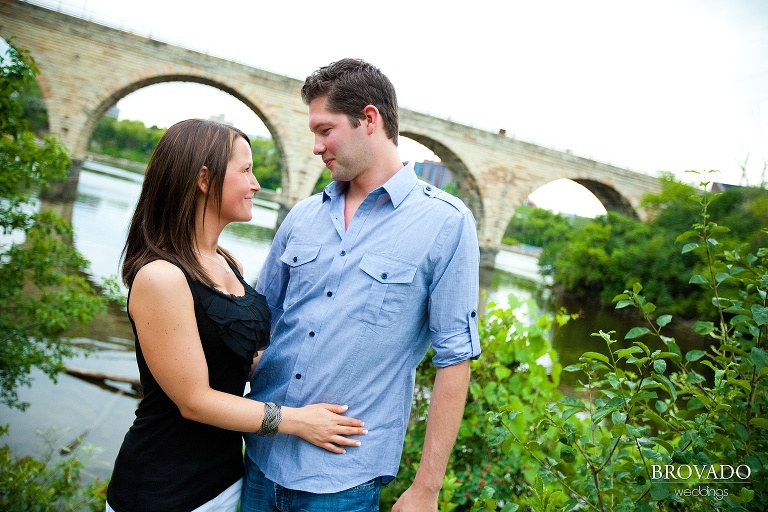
454, 295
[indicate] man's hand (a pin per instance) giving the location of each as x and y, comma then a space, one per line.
417, 499
446, 409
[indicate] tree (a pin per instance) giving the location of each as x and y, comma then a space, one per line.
44, 293
127, 139
266, 163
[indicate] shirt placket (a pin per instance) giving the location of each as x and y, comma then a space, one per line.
342, 252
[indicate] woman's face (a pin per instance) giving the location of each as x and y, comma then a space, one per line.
239, 185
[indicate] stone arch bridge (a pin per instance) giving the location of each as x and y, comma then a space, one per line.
86, 68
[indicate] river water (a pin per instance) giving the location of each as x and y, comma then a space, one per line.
102, 414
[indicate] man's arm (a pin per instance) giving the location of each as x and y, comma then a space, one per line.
446, 409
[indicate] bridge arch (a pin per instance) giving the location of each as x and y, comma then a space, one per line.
114, 95
608, 196
611, 198
118, 90
466, 182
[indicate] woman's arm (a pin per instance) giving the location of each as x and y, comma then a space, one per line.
162, 308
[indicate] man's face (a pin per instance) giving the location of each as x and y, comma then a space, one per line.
344, 149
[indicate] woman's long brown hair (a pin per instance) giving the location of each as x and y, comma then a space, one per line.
163, 224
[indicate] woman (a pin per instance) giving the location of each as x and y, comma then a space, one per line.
198, 328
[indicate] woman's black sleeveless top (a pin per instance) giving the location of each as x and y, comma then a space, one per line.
171, 464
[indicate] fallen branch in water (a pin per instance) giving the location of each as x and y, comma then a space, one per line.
101, 377
69, 448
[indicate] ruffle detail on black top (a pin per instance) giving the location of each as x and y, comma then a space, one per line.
242, 322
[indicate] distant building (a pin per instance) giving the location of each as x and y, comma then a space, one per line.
220, 119
433, 172
722, 187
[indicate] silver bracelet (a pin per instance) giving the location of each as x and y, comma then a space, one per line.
272, 416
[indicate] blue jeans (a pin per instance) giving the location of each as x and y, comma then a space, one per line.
263, 495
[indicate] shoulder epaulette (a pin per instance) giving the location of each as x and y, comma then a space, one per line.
436, 193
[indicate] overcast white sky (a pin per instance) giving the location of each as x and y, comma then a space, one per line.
645, 85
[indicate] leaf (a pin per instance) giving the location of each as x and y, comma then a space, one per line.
615, 402
697, 279
741, 383
665, 444
601, 413
760, 314
686, 235
572, 402
759, 422
568, 455
570, 412
670, 387
746, 494
703, 328
594, 355
498, 435
646, 395
487, 492
663, 320
759, 358
668, 355
694, 355
636, 332
502, 372
659, 366
661, 422
719, 378
634, 349
722, 276
689, 247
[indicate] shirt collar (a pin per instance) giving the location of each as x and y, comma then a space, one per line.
398, 186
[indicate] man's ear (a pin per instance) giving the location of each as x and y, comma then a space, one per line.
202, 180
372, 118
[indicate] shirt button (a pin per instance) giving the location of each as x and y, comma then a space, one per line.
343, 253
295, 259
429, 188
298, 375
384, 275
311, 334
473, 314
329, 294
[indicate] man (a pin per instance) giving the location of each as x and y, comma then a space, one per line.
361, 279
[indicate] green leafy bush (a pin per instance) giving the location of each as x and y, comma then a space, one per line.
657, 429
31, 484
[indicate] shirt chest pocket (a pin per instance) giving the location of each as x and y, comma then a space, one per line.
390, 280
301, 260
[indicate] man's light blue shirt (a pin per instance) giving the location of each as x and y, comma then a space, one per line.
354, 312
